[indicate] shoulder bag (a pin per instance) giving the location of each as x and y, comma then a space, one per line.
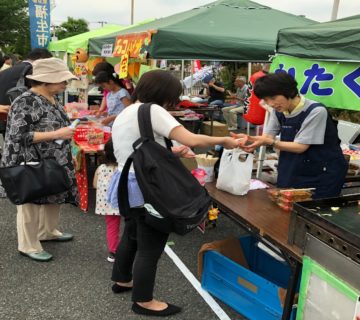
27, 182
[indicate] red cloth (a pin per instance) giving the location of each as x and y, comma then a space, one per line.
82, 183
189, 104
256, 113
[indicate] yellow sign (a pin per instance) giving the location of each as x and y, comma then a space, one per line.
123, 72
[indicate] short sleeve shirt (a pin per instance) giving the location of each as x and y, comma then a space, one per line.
312, 130
114, 103
241, 93
125, 130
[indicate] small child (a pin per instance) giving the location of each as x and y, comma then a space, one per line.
102, 178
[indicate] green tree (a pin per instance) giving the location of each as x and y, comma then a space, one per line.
14, 26
72, 27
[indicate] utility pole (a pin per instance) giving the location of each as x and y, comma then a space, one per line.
101, 22
132, 12
335, 10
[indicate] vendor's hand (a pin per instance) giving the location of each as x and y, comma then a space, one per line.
242, 138
249, 143
183, 152
4, 108
65, 133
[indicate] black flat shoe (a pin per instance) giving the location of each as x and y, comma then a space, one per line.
170, 310
119, 289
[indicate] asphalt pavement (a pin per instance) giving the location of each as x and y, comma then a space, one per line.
76, 283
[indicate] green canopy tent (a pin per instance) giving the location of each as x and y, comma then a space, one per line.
239, 30
336, 40
70, 44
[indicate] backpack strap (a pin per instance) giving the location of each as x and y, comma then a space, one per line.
144, 120
145, 126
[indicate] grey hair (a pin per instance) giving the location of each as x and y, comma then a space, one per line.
242, 78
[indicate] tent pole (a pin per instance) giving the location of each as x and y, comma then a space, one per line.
191, 78
182, 69
248, 79
262, 151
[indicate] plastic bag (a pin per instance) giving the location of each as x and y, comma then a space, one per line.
235, 171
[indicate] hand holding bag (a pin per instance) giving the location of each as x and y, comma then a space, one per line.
235, 171
31, 181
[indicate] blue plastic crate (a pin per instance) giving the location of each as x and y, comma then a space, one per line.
252, 292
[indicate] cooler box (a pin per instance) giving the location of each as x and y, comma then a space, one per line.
252, 292
219, 129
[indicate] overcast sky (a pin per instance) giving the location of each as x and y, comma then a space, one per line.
118, 11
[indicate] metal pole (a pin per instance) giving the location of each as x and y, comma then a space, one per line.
249, 75
132, 12
335, 10
182, 69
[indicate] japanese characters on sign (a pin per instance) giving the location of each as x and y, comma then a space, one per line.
124, 63
131, 44
107, 50
39, 12
334, 84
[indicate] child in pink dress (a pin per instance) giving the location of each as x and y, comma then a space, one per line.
102, 178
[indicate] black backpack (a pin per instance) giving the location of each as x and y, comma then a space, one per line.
20, 87
174, 199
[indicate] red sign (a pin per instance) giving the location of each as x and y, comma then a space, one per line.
131, 44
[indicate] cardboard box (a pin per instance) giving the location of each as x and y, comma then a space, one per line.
219, 129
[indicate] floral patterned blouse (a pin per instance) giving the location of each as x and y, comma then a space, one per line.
31, 113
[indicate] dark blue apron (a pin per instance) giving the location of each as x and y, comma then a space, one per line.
321, 166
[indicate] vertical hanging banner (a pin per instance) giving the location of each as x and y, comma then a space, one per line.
123, 72
39, 12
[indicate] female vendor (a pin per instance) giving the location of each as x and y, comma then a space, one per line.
310, 153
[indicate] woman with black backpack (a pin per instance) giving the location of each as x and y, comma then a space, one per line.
142, 245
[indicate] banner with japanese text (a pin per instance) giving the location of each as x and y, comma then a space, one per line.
124, 63
335, 84
132, 44
39, 13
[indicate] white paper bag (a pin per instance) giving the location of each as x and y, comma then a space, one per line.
235, 171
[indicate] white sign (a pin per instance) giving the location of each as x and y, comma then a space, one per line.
197, 76
107, 50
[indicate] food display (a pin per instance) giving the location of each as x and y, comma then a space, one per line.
285, 198
95, 136
91, 136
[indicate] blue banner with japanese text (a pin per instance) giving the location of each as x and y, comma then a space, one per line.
335, 84
39, 12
